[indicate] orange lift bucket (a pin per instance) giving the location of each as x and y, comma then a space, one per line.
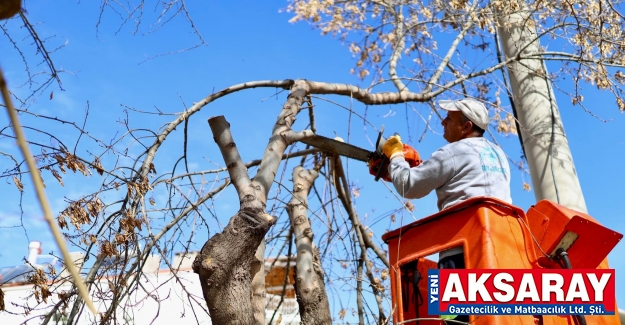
493, 235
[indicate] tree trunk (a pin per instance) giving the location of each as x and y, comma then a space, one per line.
225, 266
546, 147
312, 298
227, 262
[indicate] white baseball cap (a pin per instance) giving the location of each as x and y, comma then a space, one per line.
474, 110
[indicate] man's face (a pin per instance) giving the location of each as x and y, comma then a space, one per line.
454, 125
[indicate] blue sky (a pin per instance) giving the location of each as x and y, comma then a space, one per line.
246, 42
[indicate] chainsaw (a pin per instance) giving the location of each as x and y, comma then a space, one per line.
377, 161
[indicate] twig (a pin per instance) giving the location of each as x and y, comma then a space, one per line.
341, 188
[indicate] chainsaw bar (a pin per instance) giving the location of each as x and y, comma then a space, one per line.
337, 147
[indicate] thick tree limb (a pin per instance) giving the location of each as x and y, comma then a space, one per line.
398, 47
145, 167
312, 298
226, 270
237, 171
291, 137
282, 136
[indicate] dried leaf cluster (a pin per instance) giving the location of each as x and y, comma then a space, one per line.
138, 189
60, 161
128, 225
80, 212
583, 36
107, 249
40, 285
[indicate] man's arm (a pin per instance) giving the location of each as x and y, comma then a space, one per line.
417, 182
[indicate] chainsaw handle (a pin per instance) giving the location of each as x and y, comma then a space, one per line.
379, 173
385, 159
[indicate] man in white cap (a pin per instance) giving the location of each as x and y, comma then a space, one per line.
467, 167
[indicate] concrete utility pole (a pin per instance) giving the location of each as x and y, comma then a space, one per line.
546, 147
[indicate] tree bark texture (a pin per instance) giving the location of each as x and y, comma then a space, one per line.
227, 261
314, 307
546, 147
224, 267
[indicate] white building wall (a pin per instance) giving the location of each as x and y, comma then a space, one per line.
168, 301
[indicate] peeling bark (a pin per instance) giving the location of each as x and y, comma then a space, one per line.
312, 298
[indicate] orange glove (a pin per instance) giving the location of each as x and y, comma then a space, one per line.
393, 147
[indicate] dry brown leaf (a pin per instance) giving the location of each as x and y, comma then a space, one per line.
57, 176
62, 222
40, 285
98, 166
51, 270
107, 249
621, 104
61, 161
121, 238
64, 297
81, 212
94, 207
67, 159
18, 183
138, 223
152, 168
